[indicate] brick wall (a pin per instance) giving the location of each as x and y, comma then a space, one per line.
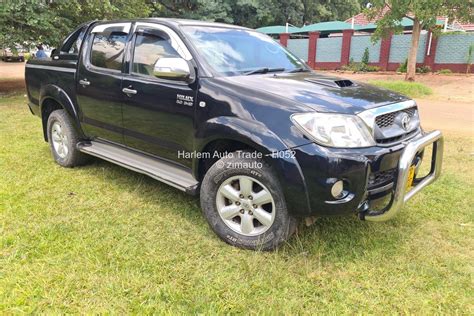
453, 49
400, 47
329, 49
299, 47
358, 46
444, 52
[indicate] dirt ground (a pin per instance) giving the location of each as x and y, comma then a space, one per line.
12, 70
12, 77
450, 108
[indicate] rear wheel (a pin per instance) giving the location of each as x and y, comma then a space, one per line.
63, 138
242, 200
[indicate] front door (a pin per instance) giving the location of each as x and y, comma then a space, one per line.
158, 114
99, 80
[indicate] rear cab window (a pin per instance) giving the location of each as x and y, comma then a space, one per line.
69, 49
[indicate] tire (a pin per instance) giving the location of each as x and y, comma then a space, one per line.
63, 138
235, 219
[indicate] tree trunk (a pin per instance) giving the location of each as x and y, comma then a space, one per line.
415, 38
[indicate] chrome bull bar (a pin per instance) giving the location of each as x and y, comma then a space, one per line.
400, 195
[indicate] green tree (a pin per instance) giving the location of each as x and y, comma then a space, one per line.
423, 13
328, 10
29, 22
207, 10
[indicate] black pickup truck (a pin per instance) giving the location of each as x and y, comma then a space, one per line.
227, 113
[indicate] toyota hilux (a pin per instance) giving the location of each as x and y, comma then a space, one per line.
226, 113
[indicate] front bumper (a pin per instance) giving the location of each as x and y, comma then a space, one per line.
400, 195
369, 174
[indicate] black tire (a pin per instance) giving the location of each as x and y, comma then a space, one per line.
73, 157
229, 167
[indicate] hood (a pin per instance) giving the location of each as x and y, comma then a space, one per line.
319, 92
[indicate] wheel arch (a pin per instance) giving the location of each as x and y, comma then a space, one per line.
54, 98
231, 133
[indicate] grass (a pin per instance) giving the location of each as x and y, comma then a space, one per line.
410, 89
102, 239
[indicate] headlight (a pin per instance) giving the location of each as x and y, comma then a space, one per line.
334, 130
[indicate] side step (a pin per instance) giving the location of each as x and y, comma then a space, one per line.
158, 169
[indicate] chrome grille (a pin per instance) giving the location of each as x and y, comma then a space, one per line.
387, 120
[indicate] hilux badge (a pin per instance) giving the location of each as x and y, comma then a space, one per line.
184, 99
406, 121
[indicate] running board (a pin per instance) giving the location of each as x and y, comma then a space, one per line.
158, 169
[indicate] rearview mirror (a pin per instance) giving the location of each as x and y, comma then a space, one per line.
172, 69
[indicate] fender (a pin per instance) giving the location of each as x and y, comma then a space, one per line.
258, 136
57, 94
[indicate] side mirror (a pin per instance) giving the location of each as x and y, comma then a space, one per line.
172, 69
54, 54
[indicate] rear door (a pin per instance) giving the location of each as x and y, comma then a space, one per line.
158, 116
99, 79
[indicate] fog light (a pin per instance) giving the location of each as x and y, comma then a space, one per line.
337, 189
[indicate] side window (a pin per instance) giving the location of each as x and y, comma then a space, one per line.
149, 48
73, 42
108, 48
76, 45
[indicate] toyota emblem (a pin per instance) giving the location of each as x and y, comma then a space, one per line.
406, 121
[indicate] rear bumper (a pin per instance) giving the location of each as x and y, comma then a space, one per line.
369, 174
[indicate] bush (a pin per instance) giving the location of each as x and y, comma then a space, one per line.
362, 66
445, 71
403, 67
352, 66
370, 68
365, 57
423, 69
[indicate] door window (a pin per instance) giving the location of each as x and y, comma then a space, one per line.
150, 46
108, 47
72, 45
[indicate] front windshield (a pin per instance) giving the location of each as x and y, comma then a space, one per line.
234, 52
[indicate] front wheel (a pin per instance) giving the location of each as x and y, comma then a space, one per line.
244, 205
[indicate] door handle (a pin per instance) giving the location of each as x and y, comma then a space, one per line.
84, 82
129, 91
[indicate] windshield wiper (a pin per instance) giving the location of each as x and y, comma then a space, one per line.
299, 69
263, 70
